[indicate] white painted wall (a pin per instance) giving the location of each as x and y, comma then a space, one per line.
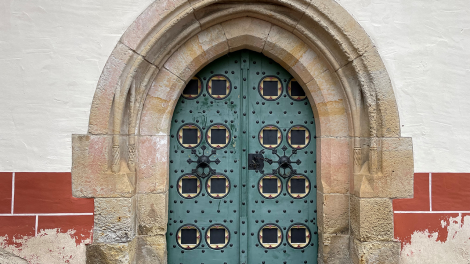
52, 54
425, 45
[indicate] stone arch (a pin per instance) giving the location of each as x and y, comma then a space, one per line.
363, 161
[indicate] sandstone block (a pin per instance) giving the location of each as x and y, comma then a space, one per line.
371, 219
333, 213
246, 33
122, 253
115, 220
114, 73
152, 213
333, 249
91, 169
397, 168
335, 166
178, 27
375, 252
197, 52
150, 22
160, 103
153, 165
151, 249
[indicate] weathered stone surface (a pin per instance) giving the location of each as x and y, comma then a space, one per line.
152, 214
151, 249
153, 166
114, 73
330, 103
397, 168
115, 220
9, 258
371, 219
197, 52
287, 49
160, 46
371, 70
160, 104
395, 175
280, 15
151, 21
91, 170
122, 253
375, 252
333, 249
246, 33
335, 166
333, 213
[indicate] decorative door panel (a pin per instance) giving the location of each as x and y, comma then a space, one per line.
242, 167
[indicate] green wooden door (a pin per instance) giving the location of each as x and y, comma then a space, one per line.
242, 167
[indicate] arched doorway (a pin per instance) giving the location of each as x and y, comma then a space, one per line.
242, 166
362, 160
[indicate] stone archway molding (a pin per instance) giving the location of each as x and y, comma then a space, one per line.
363, 162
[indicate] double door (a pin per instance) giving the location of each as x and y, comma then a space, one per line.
242, 167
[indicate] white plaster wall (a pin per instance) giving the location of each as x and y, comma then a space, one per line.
52, 54
426, 48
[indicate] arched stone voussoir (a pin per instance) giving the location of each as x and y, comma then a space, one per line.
160, 103
279, 15
115, 72
297, 5
246, 33
293, 53
197, 52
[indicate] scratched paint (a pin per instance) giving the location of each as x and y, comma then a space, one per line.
426, 248
50, 246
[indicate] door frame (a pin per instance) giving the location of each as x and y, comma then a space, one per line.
363, 162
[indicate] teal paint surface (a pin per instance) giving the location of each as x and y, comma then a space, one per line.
244, 211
